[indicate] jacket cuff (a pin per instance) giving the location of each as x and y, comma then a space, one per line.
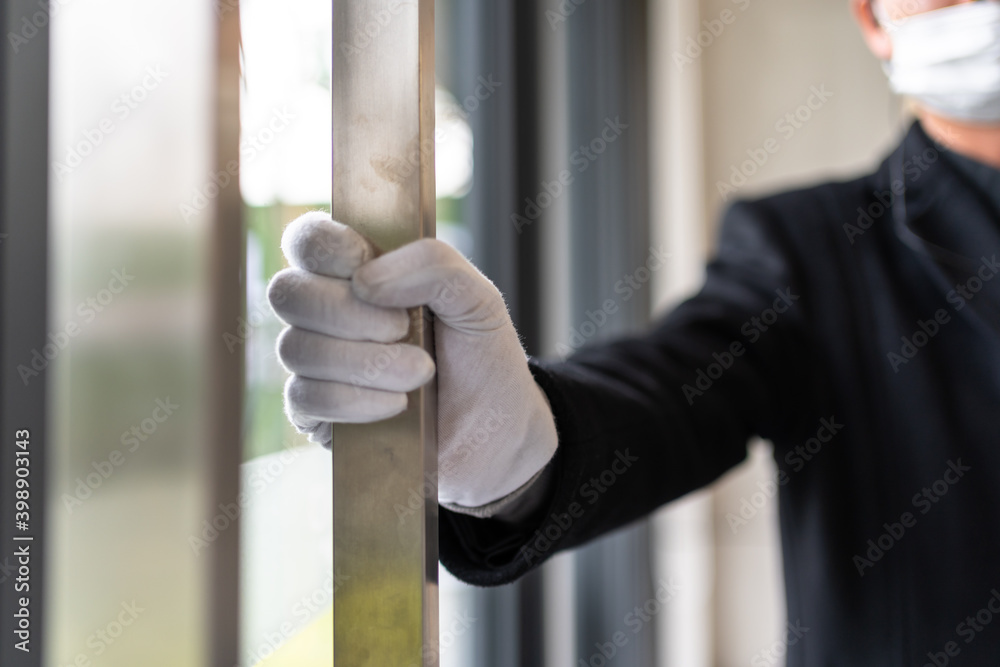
516, 505
496, 550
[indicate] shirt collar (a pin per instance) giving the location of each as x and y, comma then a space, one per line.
949, 217
979, 175
952, 211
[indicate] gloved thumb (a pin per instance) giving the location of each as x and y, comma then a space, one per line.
431, 273
318, 244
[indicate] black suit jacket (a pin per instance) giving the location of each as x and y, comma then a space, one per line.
855, 325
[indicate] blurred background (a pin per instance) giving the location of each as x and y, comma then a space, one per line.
690, 90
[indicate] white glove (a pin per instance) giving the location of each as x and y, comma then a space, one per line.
347, 310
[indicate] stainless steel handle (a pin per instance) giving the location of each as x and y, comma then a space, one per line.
385, 474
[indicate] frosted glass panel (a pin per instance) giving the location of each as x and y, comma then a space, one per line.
132, 201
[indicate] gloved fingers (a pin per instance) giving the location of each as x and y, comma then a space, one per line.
396, 367
328, 306
316, 243
322, 434
432, 273
319, 431
318, 400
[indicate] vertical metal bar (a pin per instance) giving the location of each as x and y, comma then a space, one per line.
226, 369
24, 104
385, 542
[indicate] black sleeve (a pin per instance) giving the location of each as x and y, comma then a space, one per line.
646, 419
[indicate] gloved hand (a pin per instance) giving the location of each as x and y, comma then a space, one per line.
346, 308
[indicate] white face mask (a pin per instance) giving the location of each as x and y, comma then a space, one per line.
948, 59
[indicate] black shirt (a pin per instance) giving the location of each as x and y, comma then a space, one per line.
857, 326
982, 177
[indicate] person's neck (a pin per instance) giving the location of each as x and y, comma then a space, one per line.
979, 142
